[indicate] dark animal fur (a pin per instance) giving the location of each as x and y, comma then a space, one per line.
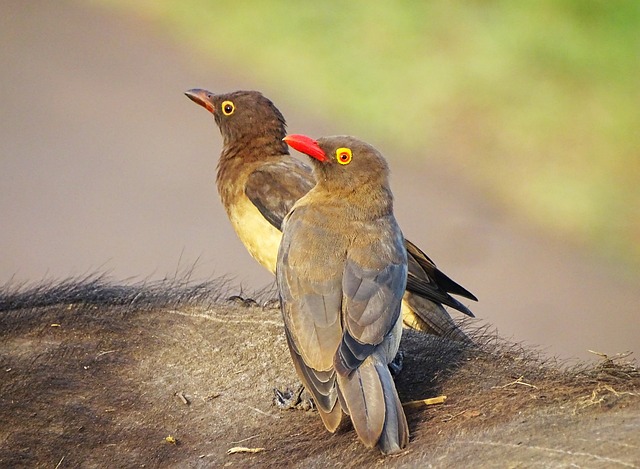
99, 388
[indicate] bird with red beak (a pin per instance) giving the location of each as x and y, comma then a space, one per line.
258, 182
341, 273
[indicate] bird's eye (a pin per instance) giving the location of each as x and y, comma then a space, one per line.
343, 155
228, 108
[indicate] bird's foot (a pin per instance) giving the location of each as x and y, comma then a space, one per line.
290, 399
272, 304
246, 302
395, 367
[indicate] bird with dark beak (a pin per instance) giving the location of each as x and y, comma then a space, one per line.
341, 274
258, 182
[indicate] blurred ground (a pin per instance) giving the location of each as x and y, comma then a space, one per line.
107, 166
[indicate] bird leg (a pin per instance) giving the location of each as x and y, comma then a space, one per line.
290, 399
395, 367
239, 300
273, 303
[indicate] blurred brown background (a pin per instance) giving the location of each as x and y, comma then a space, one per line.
107, 167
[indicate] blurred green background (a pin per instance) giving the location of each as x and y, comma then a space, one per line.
537, 102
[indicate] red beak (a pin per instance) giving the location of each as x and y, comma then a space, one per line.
202, 97
306, 145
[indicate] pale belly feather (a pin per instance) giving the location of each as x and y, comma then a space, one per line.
258, 235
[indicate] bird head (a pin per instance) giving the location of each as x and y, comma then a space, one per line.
242, 115
342, 161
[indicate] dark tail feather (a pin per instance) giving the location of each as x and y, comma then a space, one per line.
427, 280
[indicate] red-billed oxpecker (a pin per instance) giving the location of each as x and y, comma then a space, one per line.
341, 274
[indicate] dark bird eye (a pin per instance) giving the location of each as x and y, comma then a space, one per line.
228, 108
343, 155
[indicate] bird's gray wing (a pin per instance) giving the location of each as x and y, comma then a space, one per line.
309, 284
274, 187
373, 284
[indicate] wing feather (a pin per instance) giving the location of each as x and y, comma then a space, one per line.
275, 187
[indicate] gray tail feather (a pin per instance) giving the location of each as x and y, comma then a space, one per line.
395, 433
371, 400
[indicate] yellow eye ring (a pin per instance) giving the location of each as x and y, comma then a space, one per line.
227, 108
343, 155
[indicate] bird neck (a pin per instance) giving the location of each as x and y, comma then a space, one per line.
241, 157
252, 147
364, 203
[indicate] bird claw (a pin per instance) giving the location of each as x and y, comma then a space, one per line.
246, 302
395, 366
272, 304
290, 399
